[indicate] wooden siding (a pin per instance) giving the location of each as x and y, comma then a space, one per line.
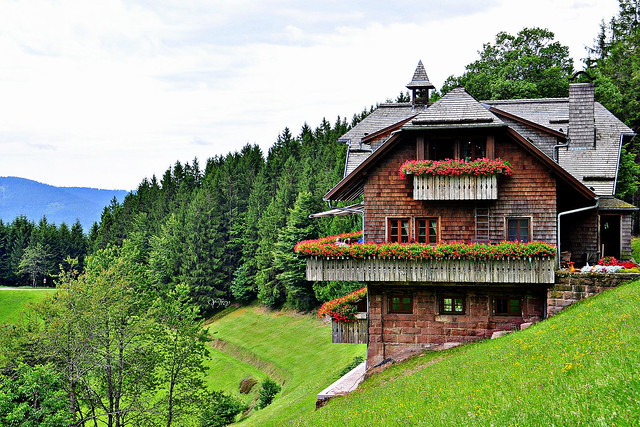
529, 192
355, 332
445, 271
462, 187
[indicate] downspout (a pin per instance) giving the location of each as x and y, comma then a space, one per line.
556, 153
569, 213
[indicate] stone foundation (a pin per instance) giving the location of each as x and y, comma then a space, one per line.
573, 287
398, 335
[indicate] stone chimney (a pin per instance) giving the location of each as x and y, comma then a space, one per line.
419, 86
581, 115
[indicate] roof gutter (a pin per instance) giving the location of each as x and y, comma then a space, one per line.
569, 213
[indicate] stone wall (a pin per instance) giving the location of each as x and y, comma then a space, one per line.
396, 335
573, 287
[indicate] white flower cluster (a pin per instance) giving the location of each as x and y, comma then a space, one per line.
601, 268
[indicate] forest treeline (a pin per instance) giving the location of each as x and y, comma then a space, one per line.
226, 229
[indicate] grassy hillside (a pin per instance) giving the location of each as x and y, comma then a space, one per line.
581, 367
294, 350
13, 303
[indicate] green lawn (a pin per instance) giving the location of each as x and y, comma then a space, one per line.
13, 303
581, 367
295, 350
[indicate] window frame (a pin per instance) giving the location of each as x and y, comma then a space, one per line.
401, 309
518, 228
453, 297
427, 229
390, 237
507, 299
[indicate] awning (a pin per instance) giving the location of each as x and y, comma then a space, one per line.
347, 210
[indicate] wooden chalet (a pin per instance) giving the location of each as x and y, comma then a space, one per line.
564, 153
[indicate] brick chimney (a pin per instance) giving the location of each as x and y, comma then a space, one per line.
581, 115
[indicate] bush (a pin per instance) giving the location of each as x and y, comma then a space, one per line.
220, 410
269, 390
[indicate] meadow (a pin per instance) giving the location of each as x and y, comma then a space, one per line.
580, 367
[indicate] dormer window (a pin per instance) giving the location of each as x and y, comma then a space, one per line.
468, 149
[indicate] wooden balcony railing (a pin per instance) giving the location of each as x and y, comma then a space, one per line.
355, 332
535, 270
461, 187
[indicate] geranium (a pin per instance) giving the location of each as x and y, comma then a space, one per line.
416, 251
343, 309
608, 260
451, 167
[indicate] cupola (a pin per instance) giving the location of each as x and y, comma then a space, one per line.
419, 86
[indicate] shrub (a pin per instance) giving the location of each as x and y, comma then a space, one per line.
220, 410
268, 392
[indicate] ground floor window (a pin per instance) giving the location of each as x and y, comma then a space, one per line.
507, 306
452, 304
401, 304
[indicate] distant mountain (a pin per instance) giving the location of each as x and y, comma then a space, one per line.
19, 196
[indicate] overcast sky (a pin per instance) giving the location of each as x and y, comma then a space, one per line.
104, 93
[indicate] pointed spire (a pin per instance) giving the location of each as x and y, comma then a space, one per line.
420, 85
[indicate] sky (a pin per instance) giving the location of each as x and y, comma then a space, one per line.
105, 93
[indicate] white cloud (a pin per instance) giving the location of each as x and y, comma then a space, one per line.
106, 93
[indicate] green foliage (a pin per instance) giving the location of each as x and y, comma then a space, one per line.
33, 397
220, 409
627, 185
31, 253
528, 65
268, 392
327, 291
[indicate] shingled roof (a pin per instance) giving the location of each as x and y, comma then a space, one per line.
542, 122
597, 166
456, 109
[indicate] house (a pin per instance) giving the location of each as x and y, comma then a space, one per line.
559, 160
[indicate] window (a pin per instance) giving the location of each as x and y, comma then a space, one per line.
398, 230
401, 304
452, 304
507, 306
518, 229
474, 149
441, 149
427, 230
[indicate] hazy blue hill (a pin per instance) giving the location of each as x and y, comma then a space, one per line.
19, 196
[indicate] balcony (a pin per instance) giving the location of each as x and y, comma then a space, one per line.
459, 187
512, 271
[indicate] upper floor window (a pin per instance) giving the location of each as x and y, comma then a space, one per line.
466, 149
442, 149
473, 149
398, 230
518, 229
427, 230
